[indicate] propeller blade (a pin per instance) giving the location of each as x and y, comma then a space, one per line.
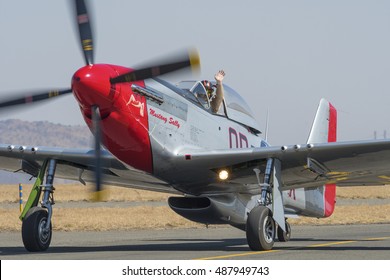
98, 195
189, 60
85, 31
27, 99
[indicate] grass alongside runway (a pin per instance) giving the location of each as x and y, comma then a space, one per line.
74, 211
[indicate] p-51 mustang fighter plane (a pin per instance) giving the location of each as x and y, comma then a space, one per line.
164, 137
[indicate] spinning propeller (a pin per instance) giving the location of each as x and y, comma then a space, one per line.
86, 41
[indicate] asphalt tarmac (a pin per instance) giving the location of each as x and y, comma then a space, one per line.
345, 242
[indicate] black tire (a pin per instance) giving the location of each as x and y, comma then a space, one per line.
33, 235
260, 229
284, 236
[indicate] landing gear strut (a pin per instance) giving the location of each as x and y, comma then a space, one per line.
36, 226
267, 218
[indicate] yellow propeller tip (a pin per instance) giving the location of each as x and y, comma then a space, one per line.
99, 196
194, 58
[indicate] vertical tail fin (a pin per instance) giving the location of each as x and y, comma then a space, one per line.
324, 129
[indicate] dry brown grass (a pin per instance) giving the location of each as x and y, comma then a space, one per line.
101, 219
350, 214
379, 192
78, 192
104, 218
108, 218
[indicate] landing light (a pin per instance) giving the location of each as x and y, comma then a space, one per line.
223, 174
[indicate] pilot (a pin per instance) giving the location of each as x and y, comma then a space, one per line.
215, 97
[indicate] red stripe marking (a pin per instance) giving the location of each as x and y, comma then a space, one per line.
330, 189
332, 130
330, 199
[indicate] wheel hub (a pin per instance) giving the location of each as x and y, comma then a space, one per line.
269, 229
43, 233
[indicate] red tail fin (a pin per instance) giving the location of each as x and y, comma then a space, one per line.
330, 189
324, 129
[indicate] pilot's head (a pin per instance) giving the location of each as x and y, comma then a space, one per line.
209, 87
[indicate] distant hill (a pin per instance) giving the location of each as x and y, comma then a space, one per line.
40, 133
44, 133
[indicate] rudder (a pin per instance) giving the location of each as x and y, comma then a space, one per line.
324, 129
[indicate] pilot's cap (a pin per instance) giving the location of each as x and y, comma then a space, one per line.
208, 86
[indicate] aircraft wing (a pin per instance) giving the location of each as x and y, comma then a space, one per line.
343, 163
78, 164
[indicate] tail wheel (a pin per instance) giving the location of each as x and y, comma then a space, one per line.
260, 229
284, 236
34, 233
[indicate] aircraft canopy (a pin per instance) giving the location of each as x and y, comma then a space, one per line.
236, 107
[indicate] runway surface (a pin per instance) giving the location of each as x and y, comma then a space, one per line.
347, 242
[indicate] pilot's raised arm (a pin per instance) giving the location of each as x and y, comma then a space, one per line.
216, 102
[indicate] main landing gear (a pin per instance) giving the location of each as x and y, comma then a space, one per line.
260, 229
266, 220
36, 230
36, 221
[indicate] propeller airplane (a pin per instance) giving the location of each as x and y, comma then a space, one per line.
170, 138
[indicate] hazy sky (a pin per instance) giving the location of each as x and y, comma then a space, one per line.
283, 56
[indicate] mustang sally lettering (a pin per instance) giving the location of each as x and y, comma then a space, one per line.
171, 120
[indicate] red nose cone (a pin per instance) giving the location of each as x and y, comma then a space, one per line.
91, 86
